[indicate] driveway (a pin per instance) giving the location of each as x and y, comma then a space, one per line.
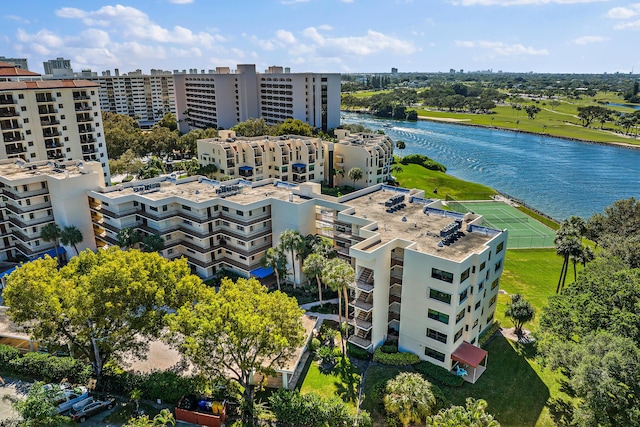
12, 388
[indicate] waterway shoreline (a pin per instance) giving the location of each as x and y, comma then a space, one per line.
465, 122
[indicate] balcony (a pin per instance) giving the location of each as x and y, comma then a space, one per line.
8, 112
46, 109
397, 261
41, 97
85, 129
52, 145
49, 122
85, 140
55, 156
7, 100
246, 171
361, 342
10, 125
80, 96
89, 151
394, 316
48, 133
361, 304
395, 298
15, 149
83, 119
83, 107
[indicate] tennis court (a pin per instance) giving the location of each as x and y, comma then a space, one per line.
524, 231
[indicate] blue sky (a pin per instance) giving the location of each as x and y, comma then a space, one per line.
573, 36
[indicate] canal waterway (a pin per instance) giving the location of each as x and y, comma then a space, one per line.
557, 176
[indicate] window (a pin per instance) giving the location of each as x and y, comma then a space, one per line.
480, 286
184, 221
500, 247
489, 319
445, 276
440, 296
463, 295
26, 120
62, 117
20, 96
440, 317
475, 323
225, 209
46, 199
23, 108
433, 354
495, 284
464, 276
457, 336
482, 266
186, 208
493, 300
477, 305
239, 212
498, 265
438, 336
460, 316
29, 133
64, 128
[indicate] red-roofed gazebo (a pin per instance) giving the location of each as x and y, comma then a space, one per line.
471, 358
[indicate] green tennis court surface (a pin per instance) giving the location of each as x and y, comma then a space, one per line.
524, 231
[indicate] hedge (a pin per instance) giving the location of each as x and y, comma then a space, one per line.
51, 368
357, 352
486, 335
438, 374
424, 161
396, 359
7, 354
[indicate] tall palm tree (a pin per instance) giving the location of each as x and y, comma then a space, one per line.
277, 260
355, 174
338, 275
313, 266
410, 397
568, 243
51, 233
70, 235
291, 240
401, 145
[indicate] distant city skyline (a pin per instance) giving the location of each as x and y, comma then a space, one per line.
345, 36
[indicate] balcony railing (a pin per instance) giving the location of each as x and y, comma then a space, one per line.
7, 101
10, 112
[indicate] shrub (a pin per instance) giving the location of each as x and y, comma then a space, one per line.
357, 352
7, 354
314, 344
389, 348
424, 161
396, 359
438, 374
326, 355
51, 368
486, 335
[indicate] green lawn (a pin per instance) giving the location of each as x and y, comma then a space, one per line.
342, 381
416, 176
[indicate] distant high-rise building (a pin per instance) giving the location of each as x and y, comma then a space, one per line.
18, 62
224, 98
394, 71
57, 66
144, 97
56, 120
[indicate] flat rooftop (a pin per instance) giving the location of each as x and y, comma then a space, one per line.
202, 190
411, 223
17, 170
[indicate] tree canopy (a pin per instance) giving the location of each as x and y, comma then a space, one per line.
409, 397
239, 330
106, 304
471, 415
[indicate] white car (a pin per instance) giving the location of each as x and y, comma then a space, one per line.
64, 396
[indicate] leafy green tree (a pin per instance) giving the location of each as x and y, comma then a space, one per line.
409, 397
291, 240
51, 233
168, 121
294, 127
128, 237
355, 174
152, 243
313, 266
187, 143
37, 409
276, 259
71, 235
401, 145
520, 311
471, 415
253, 127
339, 275
121, 133
106, 304
163, 419
239, 330
160, 141
532, 111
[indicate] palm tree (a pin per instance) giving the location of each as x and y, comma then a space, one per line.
409, 397
291, 240
313, 266
70, 235
277, 260
568, 243
136, 395
401, 145
583, 256
51, 233
355, 174
128, 237
338, 275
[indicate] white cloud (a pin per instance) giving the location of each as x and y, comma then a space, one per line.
16, 18
325, 27
624, 12
285, 37
371, 43
589, 39
518, 2
181, 1
500, 48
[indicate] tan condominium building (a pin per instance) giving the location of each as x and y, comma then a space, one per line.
144, 97
223, 98
426, 276
56, 120
293, 158
38, 193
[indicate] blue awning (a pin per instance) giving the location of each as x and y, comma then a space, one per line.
262, 272
246, 168
299, 165
51, 253
8, 272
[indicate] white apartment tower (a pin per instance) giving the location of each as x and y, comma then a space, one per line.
144, 97
55, 120
223, 98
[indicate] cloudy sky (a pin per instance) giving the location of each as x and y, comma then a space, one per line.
575, 36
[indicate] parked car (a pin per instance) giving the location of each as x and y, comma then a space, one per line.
65, 396
89, 407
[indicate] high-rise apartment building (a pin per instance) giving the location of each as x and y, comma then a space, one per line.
224, 98
144, 97
57, 66
55, 120
21, 63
